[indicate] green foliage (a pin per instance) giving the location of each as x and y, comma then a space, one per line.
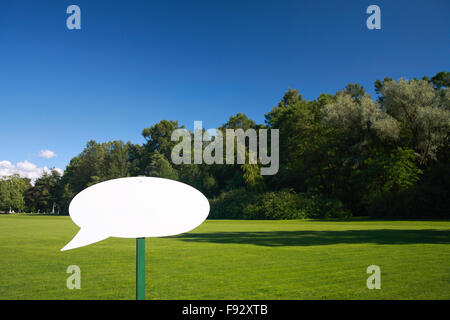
282, 204
429, 199
341, 154
355, 90
45, 194
360, 118
252, 176
96, 163
321, 207
12, 191
239, 121
230, 204
390, 172
441, 79
160, 167
158, 137
302, 137
423, 113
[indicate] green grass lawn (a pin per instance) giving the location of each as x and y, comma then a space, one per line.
225, 259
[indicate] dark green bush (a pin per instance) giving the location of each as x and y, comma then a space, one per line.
429, 199
327, 208
230, 204
284, 204
275, 205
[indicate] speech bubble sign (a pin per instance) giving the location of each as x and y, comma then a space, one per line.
135, 207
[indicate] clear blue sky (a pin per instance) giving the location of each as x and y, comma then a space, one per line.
134, 63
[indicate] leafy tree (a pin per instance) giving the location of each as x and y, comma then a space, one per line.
441, 79
355, 90
339, 152
160, 167
96, 163
379, 85
252, 176
158, 137
202, 177
298, 124
239, 121
383, 173
12, 190
360, 118
234, 176
44, 195
424, 115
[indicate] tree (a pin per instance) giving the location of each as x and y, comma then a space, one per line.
382, 173
423, 112
226, 177
340, 152
441, 79
44, 195
158, 137
96, 163
160, 167
12, 190
239, 121
360, 118
379, 85
297, 121
355, 90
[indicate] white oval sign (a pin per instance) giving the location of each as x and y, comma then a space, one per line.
135, 208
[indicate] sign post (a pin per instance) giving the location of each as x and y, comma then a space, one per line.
140, 268
138, 208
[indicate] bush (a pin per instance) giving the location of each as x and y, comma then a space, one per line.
275, 205
429, 199
327, 208
284, 204
230, 204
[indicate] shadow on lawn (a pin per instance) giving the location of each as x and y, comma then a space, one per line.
314, 238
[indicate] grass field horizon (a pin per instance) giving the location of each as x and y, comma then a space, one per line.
232, 259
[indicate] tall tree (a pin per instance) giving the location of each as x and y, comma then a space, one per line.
423, 112
158, 137
12, 192
96, 163
44, 194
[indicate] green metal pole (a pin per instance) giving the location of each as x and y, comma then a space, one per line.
140, 268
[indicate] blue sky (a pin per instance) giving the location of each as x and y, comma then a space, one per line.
134, 63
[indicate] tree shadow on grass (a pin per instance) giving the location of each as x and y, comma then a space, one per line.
314, 238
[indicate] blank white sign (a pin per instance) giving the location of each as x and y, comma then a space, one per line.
134, 208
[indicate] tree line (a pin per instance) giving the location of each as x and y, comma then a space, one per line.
343, 154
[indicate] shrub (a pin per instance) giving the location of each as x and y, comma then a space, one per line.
275, 205
430, 199
283, 204
230, 204
327, 208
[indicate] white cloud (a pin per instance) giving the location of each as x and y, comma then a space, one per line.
25, 169
47, 154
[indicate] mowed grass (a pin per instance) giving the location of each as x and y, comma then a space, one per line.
225, 259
